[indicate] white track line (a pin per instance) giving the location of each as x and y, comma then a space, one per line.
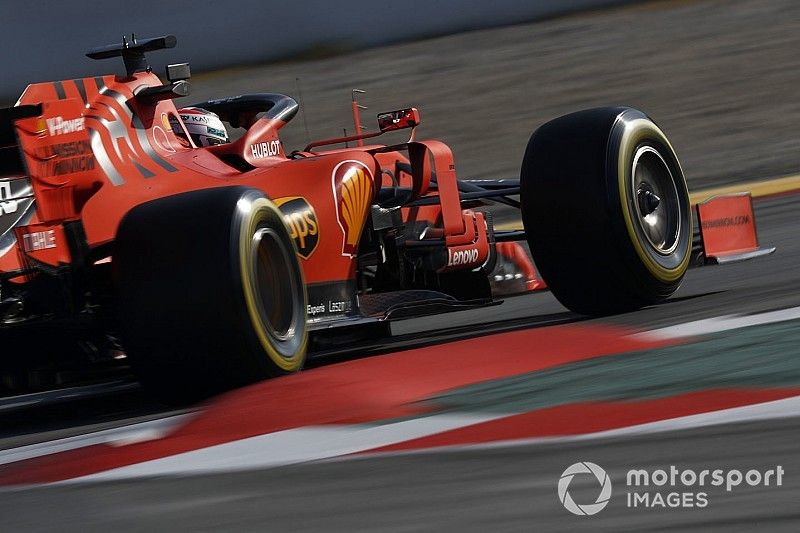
719, 324
292, 446
772, 410
150, 430
338, 442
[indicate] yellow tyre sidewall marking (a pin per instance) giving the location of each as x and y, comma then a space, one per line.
259, 208
636, 131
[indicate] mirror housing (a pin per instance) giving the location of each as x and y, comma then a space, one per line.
398, 120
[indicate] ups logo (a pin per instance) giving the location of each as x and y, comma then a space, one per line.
302, 222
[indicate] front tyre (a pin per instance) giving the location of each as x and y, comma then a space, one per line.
210, 293
606, 210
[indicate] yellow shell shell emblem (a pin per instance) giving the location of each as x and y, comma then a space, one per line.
353, 189
165, 122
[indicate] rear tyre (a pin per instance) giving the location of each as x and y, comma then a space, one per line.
210, 293
606, 210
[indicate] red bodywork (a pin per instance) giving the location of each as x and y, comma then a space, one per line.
380, 232
85, 152
97, 150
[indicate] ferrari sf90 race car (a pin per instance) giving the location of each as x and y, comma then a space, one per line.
132, 230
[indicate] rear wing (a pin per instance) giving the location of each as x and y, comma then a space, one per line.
47, 171
56, 152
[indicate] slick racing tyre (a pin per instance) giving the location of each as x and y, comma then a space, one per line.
210, 293
606, 210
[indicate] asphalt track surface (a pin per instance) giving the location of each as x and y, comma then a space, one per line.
501, 489
750, 131
509, 488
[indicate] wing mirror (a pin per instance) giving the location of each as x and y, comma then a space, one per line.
398, 120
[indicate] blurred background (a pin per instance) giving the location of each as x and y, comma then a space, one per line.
719, 76
55, 35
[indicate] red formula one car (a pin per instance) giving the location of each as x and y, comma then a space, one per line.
210, 267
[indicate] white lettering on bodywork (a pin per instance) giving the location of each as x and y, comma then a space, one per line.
7, 204
59, 125
462, 257
265, 149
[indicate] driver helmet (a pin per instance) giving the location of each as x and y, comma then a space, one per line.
204, 126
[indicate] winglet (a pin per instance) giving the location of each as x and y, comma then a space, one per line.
132, 52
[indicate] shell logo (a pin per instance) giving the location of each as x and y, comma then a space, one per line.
165, 122
352, 190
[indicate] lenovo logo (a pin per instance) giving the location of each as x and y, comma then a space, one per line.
462, 257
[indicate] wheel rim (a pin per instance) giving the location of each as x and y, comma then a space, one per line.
655, 201
276, 286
